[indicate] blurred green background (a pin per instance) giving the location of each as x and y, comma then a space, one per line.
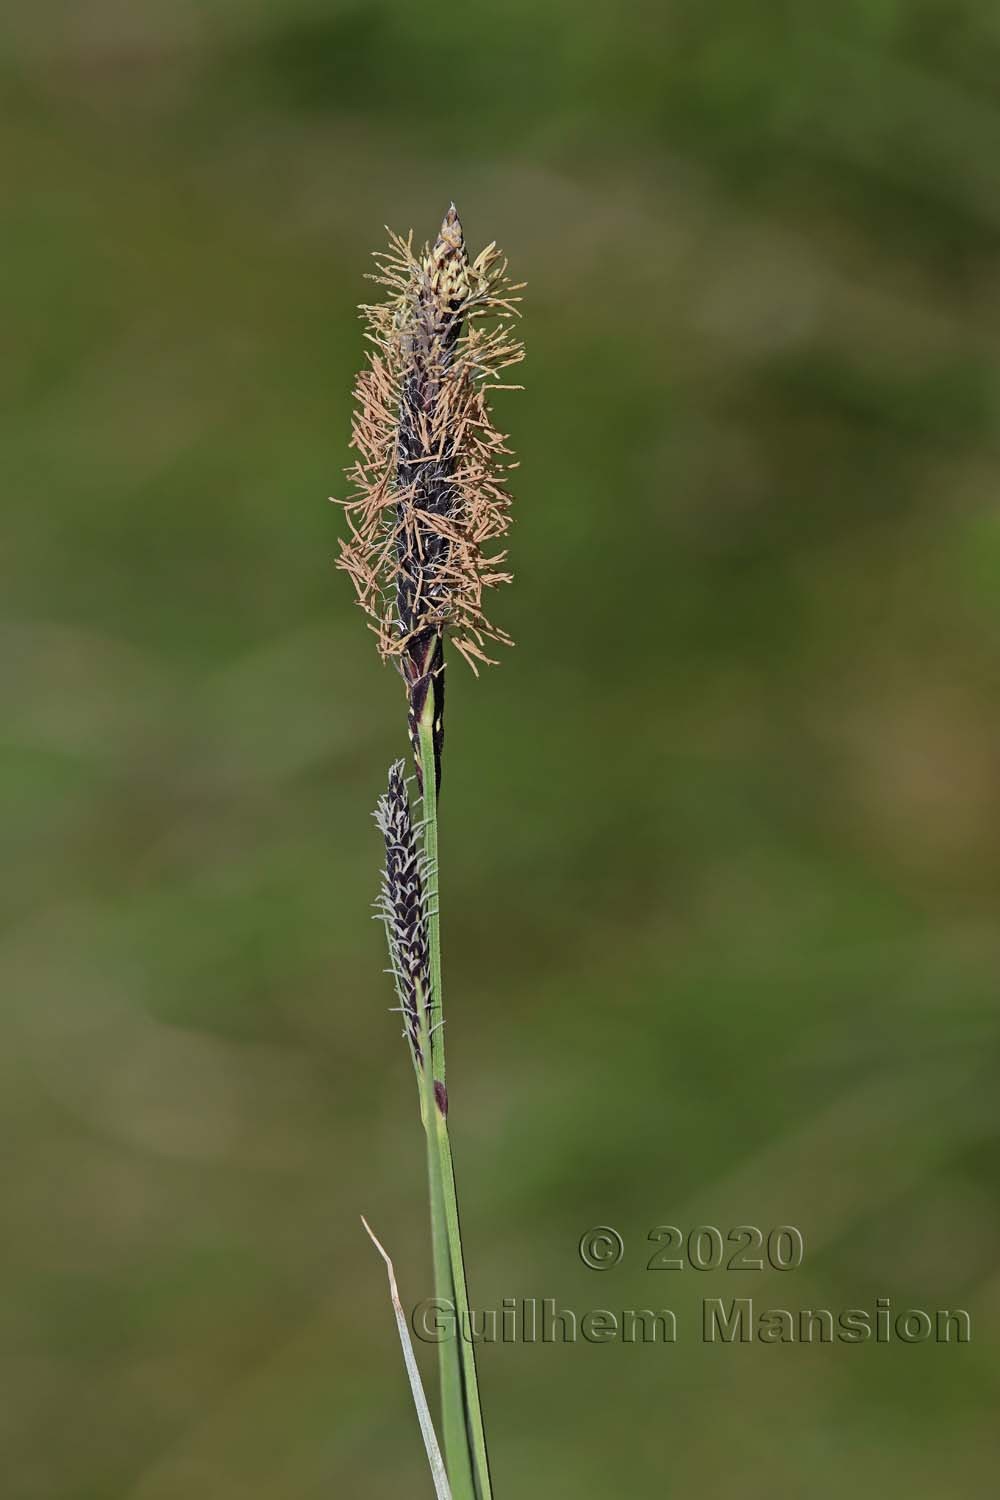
720, 860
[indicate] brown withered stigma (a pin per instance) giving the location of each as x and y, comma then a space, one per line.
429, 485
402, 906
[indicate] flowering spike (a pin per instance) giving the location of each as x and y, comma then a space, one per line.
429, 483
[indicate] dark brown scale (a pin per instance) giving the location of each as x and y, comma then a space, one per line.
430, 487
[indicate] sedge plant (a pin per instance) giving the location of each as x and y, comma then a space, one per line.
427, 514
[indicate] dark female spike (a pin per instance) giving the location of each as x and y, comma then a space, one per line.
402, 905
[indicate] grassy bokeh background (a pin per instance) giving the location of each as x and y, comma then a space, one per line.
719, 840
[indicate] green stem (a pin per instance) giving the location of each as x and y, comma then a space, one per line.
474, 1411
453, 1426
436, 1123
430, 831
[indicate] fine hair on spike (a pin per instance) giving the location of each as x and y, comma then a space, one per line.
402, 908
429, 503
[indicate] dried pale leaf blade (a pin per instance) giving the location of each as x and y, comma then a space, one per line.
441, 1487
